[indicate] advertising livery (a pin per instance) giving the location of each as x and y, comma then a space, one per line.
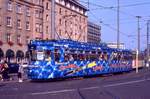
66, 58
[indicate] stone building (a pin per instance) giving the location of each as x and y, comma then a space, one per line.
23, 20
94, 33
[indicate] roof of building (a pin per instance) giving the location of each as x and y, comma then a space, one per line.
77, 3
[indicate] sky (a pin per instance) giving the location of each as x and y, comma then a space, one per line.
104, 13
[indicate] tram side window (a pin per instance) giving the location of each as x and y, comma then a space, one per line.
93, 56
99, 55
119, 56
57, 55
71, 58
81, 57
66, 57
114, 56
47, 55
87, 55
105, 55
126, 56
75, 57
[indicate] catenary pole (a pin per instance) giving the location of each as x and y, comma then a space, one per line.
53, 19
148, 22
138, 42
118, 24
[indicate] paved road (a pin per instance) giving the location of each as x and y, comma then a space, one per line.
120, 86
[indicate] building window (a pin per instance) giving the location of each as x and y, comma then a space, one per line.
60, 11
19, 23
9, 21
66, 12
60, 32
41, 29
40, 14
18, 39
8, 38
27, 40
65, 23
60, 21
27, 11
47, 17
9, 6
47, 6
46, 29
37, 13
27, 25
37, 27
19, 10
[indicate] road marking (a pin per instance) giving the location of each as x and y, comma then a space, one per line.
53, 92
126, 83
62, 91
88, 88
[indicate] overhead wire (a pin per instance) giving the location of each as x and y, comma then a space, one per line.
114, 8
112, 28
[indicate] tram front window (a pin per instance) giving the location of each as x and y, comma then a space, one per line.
33, 55
40, 55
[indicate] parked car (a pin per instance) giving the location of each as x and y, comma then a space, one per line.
13, 67
25, 65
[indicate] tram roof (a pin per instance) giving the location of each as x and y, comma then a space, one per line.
75, 45
69, 44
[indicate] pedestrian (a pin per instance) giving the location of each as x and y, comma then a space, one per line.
20, 73
1, 77
5, 71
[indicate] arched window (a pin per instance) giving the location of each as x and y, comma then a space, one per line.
1, 54
19, 55
10, 54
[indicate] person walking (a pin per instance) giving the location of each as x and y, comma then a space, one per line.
20, 73
5, 71
1, 66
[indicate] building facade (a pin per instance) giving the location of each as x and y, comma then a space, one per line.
23, 20
94, 33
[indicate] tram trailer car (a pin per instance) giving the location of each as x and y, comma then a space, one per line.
51, 59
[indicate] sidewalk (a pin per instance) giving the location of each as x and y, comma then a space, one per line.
14, 78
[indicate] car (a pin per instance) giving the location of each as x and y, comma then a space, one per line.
13, 67
25, 65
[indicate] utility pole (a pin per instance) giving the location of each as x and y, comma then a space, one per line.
148, 22
138, 41
118, 24
138, 29
52, 19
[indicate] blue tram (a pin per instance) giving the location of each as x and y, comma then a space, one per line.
66, 58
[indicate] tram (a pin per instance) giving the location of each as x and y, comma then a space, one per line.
51, 59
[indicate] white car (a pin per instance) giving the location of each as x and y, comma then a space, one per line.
25, 65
